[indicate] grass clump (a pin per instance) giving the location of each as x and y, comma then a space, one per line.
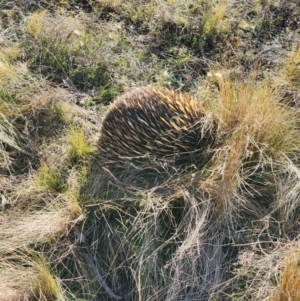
253, 113
287, 80
215, 20
256, 132
12, 53
289, 278
67, 52
51, 178
46, 286
14, 288
26, 234
292, 69
33, 280
6, 71
7, 133
80, 147
35, 23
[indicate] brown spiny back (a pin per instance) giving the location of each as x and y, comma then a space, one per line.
154, 123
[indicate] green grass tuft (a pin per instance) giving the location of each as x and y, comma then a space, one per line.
51, 178
80, 147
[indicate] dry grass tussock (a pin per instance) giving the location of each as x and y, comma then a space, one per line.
24, 276
289, 277
59, 27
274, 276
257, 135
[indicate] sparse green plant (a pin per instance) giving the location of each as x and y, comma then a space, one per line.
51, 178
46, 285
292, 69
6, 70
215, 20
80, 147
286, 82
107, 94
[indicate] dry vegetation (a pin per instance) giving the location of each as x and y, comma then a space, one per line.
228, 230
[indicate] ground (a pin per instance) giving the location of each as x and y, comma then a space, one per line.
225, 230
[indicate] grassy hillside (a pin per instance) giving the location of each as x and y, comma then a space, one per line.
228, 230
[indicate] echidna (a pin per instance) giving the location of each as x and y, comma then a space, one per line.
155, 125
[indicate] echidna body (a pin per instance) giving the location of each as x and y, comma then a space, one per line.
154, 124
